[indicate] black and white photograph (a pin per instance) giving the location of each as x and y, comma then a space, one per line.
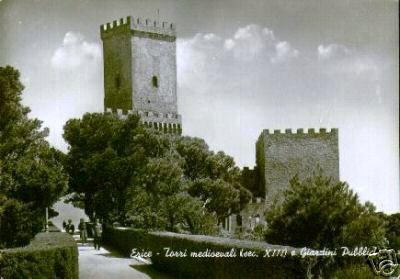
199, 139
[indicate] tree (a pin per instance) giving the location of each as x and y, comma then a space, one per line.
320, 213
122, 171
159, 200
213, 178
393, 230
156, 194
100, 163
218, 196
31, 173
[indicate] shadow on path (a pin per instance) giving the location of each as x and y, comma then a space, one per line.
139, 266
151, 272
111, 253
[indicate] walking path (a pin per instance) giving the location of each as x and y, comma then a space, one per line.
104, 264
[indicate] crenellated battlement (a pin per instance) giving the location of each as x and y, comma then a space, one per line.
138, 26
115, 24
301, 131
283, 154
146, 114
167, 122
119, 112
171, 128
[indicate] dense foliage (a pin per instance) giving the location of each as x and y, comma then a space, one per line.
121, 171
393, 229
49, 255
320, 213
31, 175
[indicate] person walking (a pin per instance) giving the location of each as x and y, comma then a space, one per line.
82, 231
97, 232
70, 228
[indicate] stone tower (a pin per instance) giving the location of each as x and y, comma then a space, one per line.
282, 155
140, 71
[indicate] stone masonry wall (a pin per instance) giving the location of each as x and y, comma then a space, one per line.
280, 156
154, 58
140, 71
117, 66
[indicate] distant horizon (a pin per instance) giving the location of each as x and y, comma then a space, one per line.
242, 68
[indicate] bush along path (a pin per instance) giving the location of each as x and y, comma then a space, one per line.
49, 255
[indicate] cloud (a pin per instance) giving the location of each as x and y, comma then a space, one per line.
232, 81
332, 51
358, 66
247, 42
75, 52
252, 41
229, 44
339, 59
284, 52
208, 59
198, 58
71, 86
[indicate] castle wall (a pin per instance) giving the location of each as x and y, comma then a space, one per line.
140, 71
260, 164
280, 156
154, 58
117, 66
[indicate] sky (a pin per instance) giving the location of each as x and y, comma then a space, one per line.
243, 66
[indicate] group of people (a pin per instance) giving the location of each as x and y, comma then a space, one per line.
96, 229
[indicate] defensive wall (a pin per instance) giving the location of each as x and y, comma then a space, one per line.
280, 155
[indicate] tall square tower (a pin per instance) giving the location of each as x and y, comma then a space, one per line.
140, 71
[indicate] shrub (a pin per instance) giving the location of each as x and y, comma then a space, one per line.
393, 230
354, 272
320, 212
49, 255
15, 225
124, 240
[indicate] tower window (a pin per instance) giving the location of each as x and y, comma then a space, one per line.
118, 82
154, 81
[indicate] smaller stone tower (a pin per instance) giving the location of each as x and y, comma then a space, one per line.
140, 71
282, 155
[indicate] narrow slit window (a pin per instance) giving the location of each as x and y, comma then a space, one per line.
154, 81
118, 82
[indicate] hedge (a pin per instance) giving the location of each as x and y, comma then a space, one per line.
52, 228
124, 240
49, 255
